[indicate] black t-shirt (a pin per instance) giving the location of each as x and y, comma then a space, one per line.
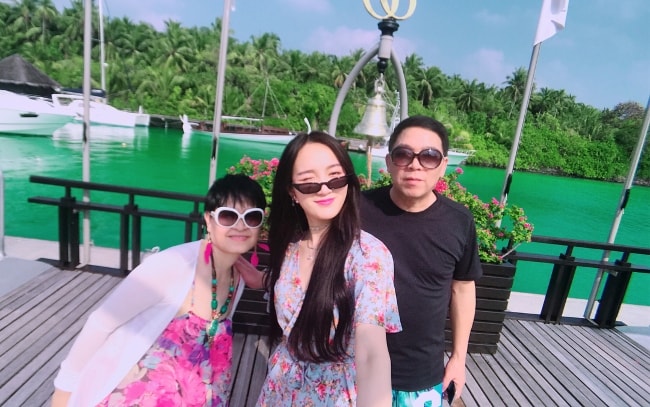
429, 248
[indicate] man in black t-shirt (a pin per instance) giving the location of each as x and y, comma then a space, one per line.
434, 247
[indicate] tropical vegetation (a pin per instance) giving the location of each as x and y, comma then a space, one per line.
172, 71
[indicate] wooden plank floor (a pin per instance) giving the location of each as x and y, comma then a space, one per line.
539, 364
40, 319
536, 364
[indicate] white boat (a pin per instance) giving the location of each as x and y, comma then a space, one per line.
100, 112
249, 137
259, 138
240, 128
22, 114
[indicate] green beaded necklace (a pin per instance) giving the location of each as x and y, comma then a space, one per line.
211, 328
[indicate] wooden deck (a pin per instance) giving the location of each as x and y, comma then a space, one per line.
536, 364
40, 319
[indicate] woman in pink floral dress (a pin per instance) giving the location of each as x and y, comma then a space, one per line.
331, 285
163, 337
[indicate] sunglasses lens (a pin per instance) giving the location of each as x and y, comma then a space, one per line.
430, 158
337, 183
254, 219
402, 156
314, 187
227, 217
308, 187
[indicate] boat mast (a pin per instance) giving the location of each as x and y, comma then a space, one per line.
266, 93
101, 50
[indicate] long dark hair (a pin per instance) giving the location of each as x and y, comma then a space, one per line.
310, 338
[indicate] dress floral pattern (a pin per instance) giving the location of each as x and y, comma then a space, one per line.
180, 368
290, 382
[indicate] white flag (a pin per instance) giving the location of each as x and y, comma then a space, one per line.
551, 19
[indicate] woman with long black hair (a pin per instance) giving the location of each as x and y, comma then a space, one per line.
330, 284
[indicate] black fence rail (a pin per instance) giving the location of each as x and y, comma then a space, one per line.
565, 264
618, 267
130, 213
251, 316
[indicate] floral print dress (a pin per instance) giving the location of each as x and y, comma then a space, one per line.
291, 382
180, 368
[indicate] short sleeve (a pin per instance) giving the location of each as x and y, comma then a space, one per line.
374, 291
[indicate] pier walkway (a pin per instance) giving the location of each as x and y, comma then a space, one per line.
535, 364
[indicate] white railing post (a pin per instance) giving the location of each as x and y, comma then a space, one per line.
2, 215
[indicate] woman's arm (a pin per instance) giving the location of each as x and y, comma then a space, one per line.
251, 275
373, 366
60, 398
375, 314
145, 286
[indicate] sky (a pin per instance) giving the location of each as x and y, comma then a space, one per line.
602, 57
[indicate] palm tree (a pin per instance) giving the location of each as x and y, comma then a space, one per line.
262, 51
362, 79
339, 74
470, 96
159, 83
550, 101
295, 62
317, 68
516, 87
46, 13
176, 47
25, 12
6, 40
72, 19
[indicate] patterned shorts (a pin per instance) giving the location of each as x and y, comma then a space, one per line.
431, 397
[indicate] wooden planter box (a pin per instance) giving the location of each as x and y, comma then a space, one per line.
492, 295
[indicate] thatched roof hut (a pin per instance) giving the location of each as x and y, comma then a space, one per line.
18, 75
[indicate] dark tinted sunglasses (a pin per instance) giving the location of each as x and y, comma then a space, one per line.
228, 217
429, 158
314, 187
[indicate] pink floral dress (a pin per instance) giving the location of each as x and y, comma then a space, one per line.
291, 382
180, 368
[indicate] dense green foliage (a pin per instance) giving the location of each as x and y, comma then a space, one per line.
174, 72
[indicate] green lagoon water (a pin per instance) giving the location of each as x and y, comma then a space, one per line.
167, 160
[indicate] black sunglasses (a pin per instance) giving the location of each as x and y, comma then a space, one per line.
429, 158
227, 217
314, 187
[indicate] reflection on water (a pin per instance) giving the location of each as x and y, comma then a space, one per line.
73, 132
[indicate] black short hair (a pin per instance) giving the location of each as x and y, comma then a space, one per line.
424, 122
236, 188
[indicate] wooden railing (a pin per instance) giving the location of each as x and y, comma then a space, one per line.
130, 214
565, 264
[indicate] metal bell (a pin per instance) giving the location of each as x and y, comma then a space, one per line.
374, 123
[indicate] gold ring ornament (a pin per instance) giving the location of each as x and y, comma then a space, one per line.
390, 10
